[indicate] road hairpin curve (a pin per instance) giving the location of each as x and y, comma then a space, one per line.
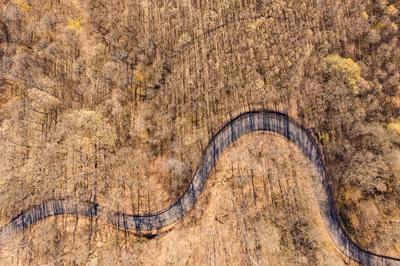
245, 123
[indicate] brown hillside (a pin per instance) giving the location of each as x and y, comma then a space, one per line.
114, 101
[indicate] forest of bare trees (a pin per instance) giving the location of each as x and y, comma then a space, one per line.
114, 101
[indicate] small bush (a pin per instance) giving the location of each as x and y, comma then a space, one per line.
74, 24
394, 126
23, 6
379, 26
324, 137
343, 68
138, 75
365, 15
392, 11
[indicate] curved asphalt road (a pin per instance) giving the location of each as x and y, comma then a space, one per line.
245, 123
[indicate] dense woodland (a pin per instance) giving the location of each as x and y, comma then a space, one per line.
114, 101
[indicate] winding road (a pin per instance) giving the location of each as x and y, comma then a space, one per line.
154, 223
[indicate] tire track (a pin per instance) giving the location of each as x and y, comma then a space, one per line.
151, 224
